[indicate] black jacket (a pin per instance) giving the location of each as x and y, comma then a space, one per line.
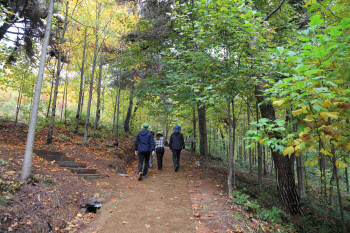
176, 141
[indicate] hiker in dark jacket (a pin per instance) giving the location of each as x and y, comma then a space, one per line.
144, 145
176, 144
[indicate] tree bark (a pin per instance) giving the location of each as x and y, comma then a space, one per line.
80, 99
57, 79
300, 175
250, 149
347, 181
86, 128
203, 133
98, 110
284, 164
128, 114
230, 153
117, 127
52, 84
193, 149
259, 155
27, 162
19, 101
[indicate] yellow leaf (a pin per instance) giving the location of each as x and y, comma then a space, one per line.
308, 3
323, 151
326, 115
326, 103
305, 108
348, 146
278, 103
297, 112
288, 150
314, 162
262, 140
340, 164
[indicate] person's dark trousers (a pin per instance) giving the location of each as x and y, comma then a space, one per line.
176, 157
160, 153
144, 155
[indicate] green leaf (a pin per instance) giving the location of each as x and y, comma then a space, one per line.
315, 20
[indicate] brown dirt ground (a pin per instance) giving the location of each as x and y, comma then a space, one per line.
191, 200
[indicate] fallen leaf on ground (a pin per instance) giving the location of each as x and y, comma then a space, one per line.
124, 222
110, 211
197, 215
147, 226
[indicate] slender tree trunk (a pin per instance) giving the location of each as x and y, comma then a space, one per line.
331, 190
347, 181
114, 111
193, 149
284, 164
66, 104
230, 153
57, 81
27, 162
117, 128
131, 102
250, 149
259, 154
203, 133
81, 95
63, 98
98, 110
86, 129
19, 101
233, 141
52, 83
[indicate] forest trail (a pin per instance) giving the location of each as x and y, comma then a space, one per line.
165, 201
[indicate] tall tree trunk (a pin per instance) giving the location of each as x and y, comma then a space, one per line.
203, 133
284, 164
19, 101
300, 175
81, 96
114, 111
86, 128
66, 104
259, 154
335, 170
63, 98
193, 149
331, 190
57, 80
131, 102
98, 110
347, 181
250, 149
118, 104
230, 153
27, 162
52, 84
233, 141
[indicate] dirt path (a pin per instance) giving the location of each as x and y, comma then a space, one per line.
159, 203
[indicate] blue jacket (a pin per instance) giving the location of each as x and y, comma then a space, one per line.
144, 141
176, 141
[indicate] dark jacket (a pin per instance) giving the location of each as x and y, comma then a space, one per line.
144, 141
176, 141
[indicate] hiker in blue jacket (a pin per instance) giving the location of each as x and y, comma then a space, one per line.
176, 144
144, 146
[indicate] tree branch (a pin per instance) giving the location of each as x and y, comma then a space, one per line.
272, 12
